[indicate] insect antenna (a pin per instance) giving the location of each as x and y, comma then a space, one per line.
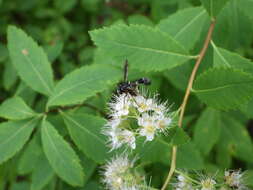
125, 70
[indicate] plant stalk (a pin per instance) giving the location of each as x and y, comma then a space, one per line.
185, 100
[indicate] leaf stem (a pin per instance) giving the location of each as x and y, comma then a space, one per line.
185, 100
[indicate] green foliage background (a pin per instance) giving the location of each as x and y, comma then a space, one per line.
53, 95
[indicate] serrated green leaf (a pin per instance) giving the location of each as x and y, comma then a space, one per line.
146, 48
30, 61
224, 88
237, 139
16, 109
42, 174
13, 135
85, 130
224, 58
61, 156
84, 83
207, 130
185, 25
214, 7
30, 156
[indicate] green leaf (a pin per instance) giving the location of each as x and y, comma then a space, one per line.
237, 139
233, 28
84, 83
246, 6
146, 48
207, 130
9, 76
214, 7
42, 174
249, 177
15, 108
185, 25
61, 156
13, 135
148, 151
29, 158
188, 157
139, 19
54, 50
224, 58
85, 130
224, 88
30, 61
178, 136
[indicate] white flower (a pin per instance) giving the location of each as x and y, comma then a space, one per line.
120, 106
125, 110
163, 122
183, 183
159, 108
118, 137
148, 126
143, 104
208, 184
115, 172
234, 179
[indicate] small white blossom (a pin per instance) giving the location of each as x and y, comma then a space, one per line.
118, 137
208, 184
143, 104
183, 183
234, 179
120, 107
148, 125
163, 122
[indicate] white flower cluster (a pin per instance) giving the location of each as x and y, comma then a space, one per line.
233, 180
119, 174
127, 112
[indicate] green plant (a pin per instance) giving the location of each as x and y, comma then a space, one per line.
55, 95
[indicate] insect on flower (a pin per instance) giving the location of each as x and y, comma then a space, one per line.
131, 87
133, 114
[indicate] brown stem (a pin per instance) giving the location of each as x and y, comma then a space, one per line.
185, 100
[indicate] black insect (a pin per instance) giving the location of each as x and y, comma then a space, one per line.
131, 87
